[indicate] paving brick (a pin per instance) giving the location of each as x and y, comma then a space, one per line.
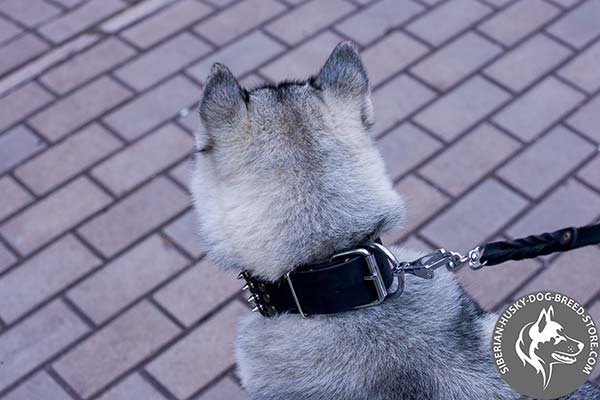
490, 286
463, 163
153, 108
61, 210
36, 339
157, 27
8, 30
44, 275
526, 63
29, 13
132, 14
87, 64
133, 387
580, 26
144, 159
307, 19
566, 3
519, 20
68, 158
422, 201
565, 273
591, 172
447, 20
453, 62
79, 19
497, 3
303, 61
548, 215
193, 294
397, 49
396, 100
182, 172
404, 147
377, 19
587, 119
126, 278
226, 389
134, 216
258, 44
224, 3
475, 217
123, 343
200, 356
538, 108
19, 51
582, 71
546, 161
238, 19
462, 108
7, 259
46, 60
69, 3
22, 102
40, 386
162, 61
185, 232
16, 145
78, 108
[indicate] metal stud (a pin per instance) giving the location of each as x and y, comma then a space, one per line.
246, 287
256, 309
252, 298
266, 298
262, 287
241, 275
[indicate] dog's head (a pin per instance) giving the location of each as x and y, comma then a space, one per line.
287, 173
544, 343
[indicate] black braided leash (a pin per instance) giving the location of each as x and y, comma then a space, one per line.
539, 245
498, 252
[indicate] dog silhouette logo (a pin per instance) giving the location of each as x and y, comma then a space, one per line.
545, 345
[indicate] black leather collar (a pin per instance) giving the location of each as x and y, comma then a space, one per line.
352, 279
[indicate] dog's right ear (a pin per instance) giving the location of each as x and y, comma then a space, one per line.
223, 102
344, 73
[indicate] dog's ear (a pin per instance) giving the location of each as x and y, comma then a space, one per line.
345, 77
544, 318
223, 102
344, 73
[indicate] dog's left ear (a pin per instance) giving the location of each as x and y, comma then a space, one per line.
544, 318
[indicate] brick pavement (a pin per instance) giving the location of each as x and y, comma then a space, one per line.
487, 116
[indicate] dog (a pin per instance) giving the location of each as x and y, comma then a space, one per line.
286, 175
542, 344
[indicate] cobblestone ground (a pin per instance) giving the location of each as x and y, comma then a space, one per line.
488, 115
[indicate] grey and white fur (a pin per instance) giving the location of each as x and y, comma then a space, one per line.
286, 175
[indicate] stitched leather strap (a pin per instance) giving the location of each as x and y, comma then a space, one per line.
322, 289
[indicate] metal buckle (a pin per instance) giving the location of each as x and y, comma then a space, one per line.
375, 276
288, 278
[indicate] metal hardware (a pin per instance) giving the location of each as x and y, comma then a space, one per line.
253, 298
289, 281
425, 266
375, 275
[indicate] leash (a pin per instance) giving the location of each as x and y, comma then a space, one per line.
494, 253
366, 275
